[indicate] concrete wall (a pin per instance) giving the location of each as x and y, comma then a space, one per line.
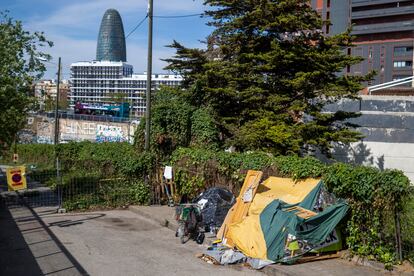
40, 129
388, 126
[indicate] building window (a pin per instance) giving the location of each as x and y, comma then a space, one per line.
402, 51
402, 64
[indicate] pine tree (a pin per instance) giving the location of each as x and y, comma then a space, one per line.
267, 73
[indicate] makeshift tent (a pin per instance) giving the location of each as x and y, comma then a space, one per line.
215, 204
285, 219
239, 211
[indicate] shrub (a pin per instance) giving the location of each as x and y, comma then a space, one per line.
374, 196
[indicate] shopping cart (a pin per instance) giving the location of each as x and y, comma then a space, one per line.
190, 223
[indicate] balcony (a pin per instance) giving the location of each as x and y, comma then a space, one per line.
383, 28
383, 12
360, 3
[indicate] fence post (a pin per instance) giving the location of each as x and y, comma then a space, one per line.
398, 245
59, 187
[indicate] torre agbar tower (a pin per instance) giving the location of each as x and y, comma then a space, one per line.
99, 81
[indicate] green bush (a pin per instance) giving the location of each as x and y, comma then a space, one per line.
374, 196
91, 193
84, 166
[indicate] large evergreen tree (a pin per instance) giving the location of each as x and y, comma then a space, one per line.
267, 73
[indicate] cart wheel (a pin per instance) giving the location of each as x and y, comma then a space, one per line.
200, 238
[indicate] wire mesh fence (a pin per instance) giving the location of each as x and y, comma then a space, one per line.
75, 192
80, 193
42, 190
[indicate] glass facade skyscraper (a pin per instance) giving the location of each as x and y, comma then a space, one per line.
111, 38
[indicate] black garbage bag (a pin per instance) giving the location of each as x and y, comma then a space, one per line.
215, 204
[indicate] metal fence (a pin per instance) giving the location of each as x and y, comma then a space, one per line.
41, 190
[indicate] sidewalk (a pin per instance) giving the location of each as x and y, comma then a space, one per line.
28, 247
164, 215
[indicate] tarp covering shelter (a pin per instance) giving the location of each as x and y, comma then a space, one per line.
285, 218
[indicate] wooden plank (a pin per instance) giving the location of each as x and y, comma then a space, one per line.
239, 211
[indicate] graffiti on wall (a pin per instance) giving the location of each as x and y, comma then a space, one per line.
109, 133
44, 128
26, 136
74, 130
42, 131
44, 139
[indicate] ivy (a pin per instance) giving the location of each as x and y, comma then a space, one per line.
373, 195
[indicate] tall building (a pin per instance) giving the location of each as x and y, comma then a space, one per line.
109, 77
384, 31
111, 38
99, 82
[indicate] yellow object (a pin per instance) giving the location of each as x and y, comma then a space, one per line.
293, 246
246, 234
239, 211
16, 178
287, 189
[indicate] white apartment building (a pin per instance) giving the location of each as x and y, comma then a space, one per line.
98, 82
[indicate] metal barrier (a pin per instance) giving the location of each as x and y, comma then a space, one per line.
42, 190
74, 191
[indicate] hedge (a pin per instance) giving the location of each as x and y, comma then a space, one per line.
374, 196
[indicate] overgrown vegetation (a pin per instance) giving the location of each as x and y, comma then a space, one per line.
93, 174
374, 196
176, 123
266, 75
95, 193
19, 67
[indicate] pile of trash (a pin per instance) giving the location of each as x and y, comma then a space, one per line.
215, 203
278, 220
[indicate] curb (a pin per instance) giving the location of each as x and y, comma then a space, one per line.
170, 224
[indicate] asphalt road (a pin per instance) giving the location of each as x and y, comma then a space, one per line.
123, 243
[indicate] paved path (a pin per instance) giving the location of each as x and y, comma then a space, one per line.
28, 247
164, 215
120, 242
123, 243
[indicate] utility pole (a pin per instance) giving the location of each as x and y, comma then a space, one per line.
57, 137
149, 79
57, 105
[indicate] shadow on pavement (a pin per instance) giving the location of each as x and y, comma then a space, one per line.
29, 247
16, 257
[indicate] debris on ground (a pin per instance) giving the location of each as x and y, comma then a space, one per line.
278, 220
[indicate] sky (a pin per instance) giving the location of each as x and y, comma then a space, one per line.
73, 27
